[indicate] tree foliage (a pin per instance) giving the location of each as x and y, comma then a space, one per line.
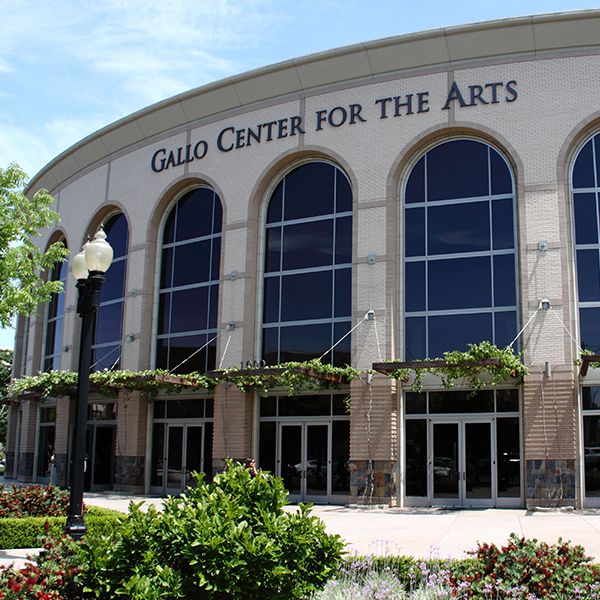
21, 261
6, 357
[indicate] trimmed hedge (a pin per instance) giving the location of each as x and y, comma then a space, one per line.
27, 532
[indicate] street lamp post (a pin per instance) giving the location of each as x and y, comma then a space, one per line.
88, 267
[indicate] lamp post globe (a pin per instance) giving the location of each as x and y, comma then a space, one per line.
88, 267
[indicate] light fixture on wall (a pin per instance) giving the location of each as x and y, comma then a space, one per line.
544, 304
89, 268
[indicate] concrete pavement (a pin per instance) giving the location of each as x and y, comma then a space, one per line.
420, 532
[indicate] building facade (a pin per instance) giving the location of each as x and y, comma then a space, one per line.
391, 200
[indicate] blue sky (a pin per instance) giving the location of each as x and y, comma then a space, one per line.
68, 68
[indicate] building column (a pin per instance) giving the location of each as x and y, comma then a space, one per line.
550, 438
65, 415
130, 454
233, 424
28, 435
11, 440
373, 441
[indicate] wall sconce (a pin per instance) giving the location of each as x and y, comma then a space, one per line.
544, 304
129, 338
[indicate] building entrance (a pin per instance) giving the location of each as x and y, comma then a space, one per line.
462, 449
463, 470
305, 440
183, 455
100, 446
304, 460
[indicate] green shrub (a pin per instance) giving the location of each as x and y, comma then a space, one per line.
27, 532
33, 501
529, 566
227, 539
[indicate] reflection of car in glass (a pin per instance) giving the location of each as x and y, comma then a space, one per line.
311, 465
443, 466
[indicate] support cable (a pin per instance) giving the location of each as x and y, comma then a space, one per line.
195, 352
224, 351
525, 326
365, 318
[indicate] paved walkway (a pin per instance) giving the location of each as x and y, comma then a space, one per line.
420, 532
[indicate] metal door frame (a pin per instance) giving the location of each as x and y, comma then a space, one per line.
183, 470
304, 424
462, 501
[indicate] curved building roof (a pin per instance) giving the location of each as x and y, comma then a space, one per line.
495, 41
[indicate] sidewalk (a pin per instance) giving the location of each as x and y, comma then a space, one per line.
419, 532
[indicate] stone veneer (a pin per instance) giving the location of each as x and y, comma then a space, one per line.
372, 482
129, 474
25, 466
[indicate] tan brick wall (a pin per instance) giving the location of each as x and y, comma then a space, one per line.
233, 415
132, 415
65, 414
373, 419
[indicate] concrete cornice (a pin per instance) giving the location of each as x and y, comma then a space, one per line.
441, 48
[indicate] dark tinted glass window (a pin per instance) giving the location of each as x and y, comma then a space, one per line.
415, 186
590, 398
459, 283
194, 264
455, 332
416, 457
507, 400
309, 191
457, 169
416, 403
453, 228
108, 326
54, 320
588, 270
467, 190
585, 176
308, 257
415, 232
590, 328
461, 402
583, 170
586, 219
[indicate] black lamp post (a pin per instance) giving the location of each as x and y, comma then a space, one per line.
88, 267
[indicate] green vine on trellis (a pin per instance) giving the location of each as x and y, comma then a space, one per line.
108, 383
293, 376
467, 366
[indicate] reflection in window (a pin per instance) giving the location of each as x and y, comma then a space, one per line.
459, 244
54, 320
585, 182
308, 266
189, 283
108, 328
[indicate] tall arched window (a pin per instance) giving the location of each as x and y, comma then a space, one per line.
585, 182
459, 247
308, 266
108, 331
189, 283
54, 320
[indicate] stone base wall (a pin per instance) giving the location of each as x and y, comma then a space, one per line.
25, 466
550, 483
373, 482
129, 474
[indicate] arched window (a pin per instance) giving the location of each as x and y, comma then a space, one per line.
189, 283
308, 266
54, 320
108, 330
459, 250
585, 182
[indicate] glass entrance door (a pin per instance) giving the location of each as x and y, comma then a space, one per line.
99, 457
304, 460
463, 470
183, 455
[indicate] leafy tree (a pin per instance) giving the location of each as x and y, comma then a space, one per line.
21, 261
6, 357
